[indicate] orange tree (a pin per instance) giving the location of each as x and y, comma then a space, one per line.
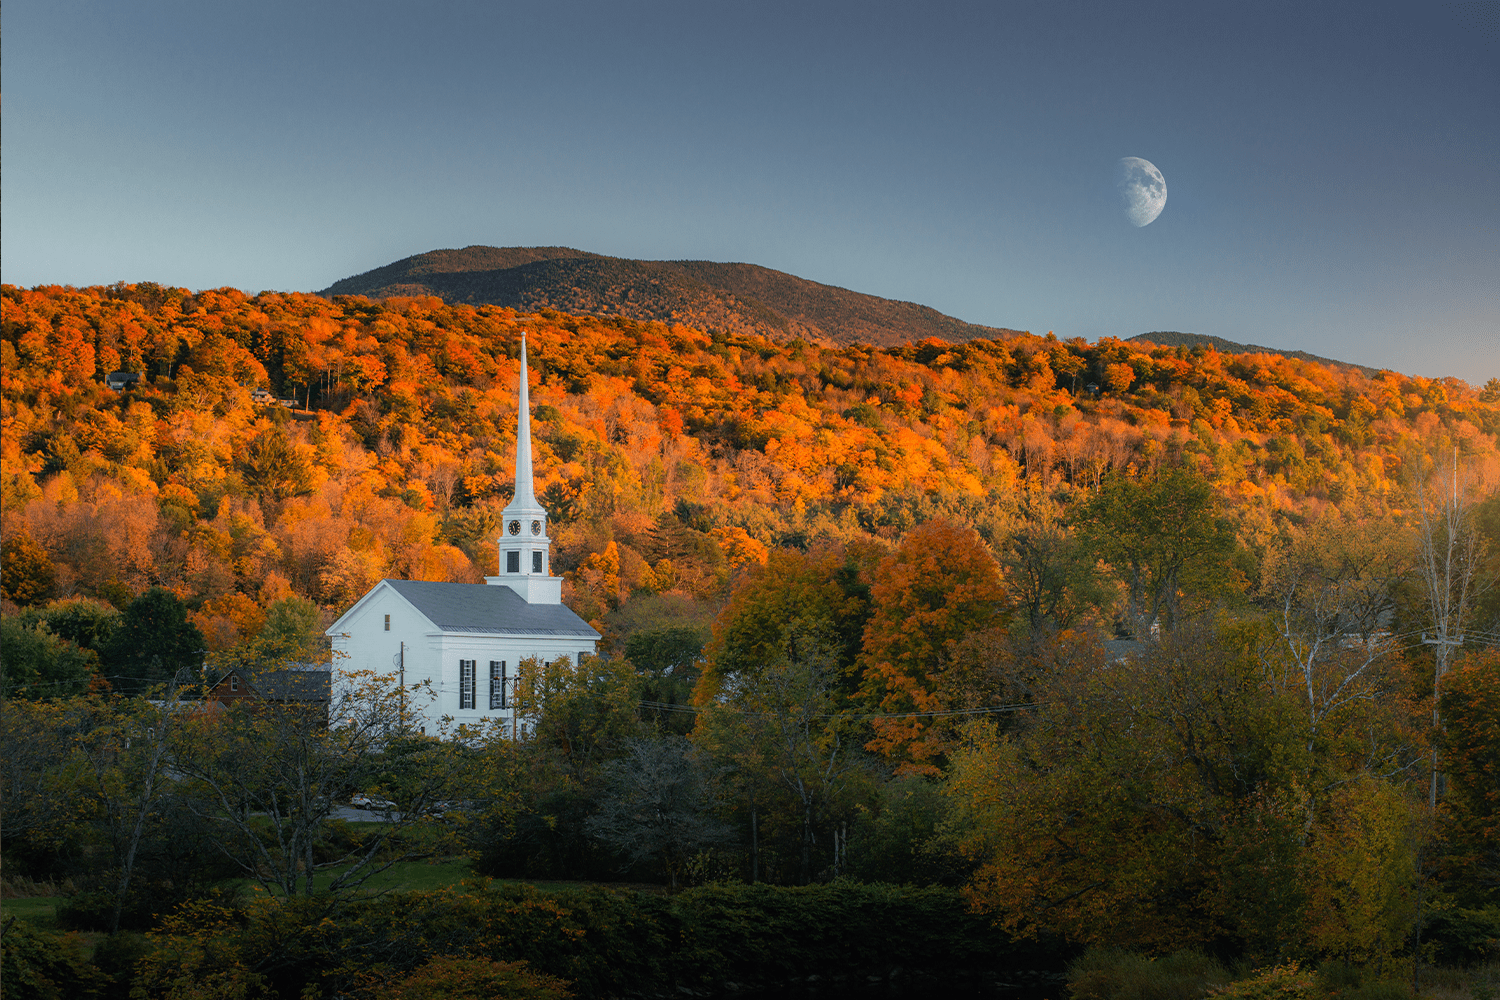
940, 585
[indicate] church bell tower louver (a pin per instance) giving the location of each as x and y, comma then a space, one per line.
525, 549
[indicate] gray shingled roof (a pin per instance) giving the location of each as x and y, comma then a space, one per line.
293, 685
305, 683
483, 607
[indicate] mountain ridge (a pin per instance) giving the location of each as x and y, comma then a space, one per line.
738, 298
729, 297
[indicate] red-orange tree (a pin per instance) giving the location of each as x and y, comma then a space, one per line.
940, 585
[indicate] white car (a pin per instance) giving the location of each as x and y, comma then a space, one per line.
362, 801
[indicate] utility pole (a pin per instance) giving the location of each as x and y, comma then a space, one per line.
400, 659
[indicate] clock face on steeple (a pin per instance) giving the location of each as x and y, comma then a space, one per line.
514, 527
536, 527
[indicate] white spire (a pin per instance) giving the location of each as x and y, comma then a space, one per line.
525, 551
525, 496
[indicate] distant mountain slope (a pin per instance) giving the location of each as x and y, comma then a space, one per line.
734, 298
1171, 338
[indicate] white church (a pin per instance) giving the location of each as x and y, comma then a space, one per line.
467, 639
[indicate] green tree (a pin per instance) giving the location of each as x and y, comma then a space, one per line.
813, 590
584, 710
274, 468
270, 776
38, 664
125, 754
81, 620
1363, 887
1329, 587
1106, 814
155, 641
47, 966
1164, 537
40, 811
654, 804
1470, 811
290, 636
1049, 574
787, 739
666, 662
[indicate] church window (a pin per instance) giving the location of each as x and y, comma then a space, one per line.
387, 623
466, 683
498, 682
536, 561
512, 562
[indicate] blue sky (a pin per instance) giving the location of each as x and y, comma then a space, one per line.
1331, 169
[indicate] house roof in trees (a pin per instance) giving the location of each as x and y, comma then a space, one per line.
489, 609
295, 684
305, 684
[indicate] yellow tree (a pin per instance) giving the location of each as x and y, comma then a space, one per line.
1364, 884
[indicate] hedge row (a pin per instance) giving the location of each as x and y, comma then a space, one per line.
608, 942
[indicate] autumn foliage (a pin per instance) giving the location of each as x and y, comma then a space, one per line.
687, 450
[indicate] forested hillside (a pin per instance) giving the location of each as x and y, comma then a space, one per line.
666, 456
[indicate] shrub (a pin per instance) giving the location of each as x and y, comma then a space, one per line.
449, 978
1279, 982
1384, 989
47, 966
94, 910
116, 957
1464, 936
602, 941
1113, 974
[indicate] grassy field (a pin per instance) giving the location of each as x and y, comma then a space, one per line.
39, 910
403, 876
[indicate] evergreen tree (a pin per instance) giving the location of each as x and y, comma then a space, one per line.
155, 640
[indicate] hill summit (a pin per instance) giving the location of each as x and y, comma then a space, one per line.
728, 298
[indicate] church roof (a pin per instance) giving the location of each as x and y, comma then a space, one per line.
487, 608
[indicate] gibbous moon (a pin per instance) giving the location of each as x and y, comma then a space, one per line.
1143, 190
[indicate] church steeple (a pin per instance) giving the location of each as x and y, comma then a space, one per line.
524, 548
525, 496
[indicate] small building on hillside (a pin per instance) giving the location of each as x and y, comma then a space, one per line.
465, 641
307, 686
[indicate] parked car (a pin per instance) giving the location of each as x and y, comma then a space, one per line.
362, 801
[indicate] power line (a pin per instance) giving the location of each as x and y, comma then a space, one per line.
664, 706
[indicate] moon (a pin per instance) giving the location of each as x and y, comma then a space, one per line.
1143, 190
